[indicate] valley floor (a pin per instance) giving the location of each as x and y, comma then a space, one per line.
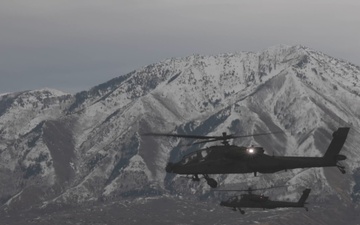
177, 211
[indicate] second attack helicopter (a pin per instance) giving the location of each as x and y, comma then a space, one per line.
251, 200
232, 159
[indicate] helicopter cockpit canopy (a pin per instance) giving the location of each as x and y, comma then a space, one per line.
233, 199
254, 198
195, 157
216, 152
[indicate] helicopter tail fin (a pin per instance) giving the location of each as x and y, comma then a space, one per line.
337, 143
304, 196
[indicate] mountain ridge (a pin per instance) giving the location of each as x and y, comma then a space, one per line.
87, 147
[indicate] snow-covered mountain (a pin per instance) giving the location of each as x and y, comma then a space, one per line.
61, 148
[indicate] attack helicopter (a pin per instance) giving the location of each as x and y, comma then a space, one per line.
232, 159
251, 200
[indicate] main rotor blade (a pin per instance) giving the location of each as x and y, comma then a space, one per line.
180, 135
254, 135
223, 137
201, 142
250, 189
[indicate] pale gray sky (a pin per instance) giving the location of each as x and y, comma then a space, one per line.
72, 45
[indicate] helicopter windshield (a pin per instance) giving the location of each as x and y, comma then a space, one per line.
194, 157
233, 199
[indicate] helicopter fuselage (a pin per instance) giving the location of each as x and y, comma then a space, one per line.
260, 201
228, 159
269, 204
231, 162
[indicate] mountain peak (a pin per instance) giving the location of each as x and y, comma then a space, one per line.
50, 92
89, 145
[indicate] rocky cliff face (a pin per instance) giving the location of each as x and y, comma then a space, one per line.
60, 148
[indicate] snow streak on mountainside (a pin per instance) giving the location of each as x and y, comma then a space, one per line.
61, 148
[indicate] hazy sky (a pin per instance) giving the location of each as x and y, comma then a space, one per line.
72, 45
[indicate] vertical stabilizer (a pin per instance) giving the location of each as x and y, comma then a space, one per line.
304, 196
337, 143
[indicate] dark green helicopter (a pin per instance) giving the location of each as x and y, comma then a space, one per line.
251, 200
231, 159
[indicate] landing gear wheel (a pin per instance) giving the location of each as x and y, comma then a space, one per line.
341, 168
211, 182
195, 177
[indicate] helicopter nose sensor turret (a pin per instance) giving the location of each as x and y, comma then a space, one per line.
169, 167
